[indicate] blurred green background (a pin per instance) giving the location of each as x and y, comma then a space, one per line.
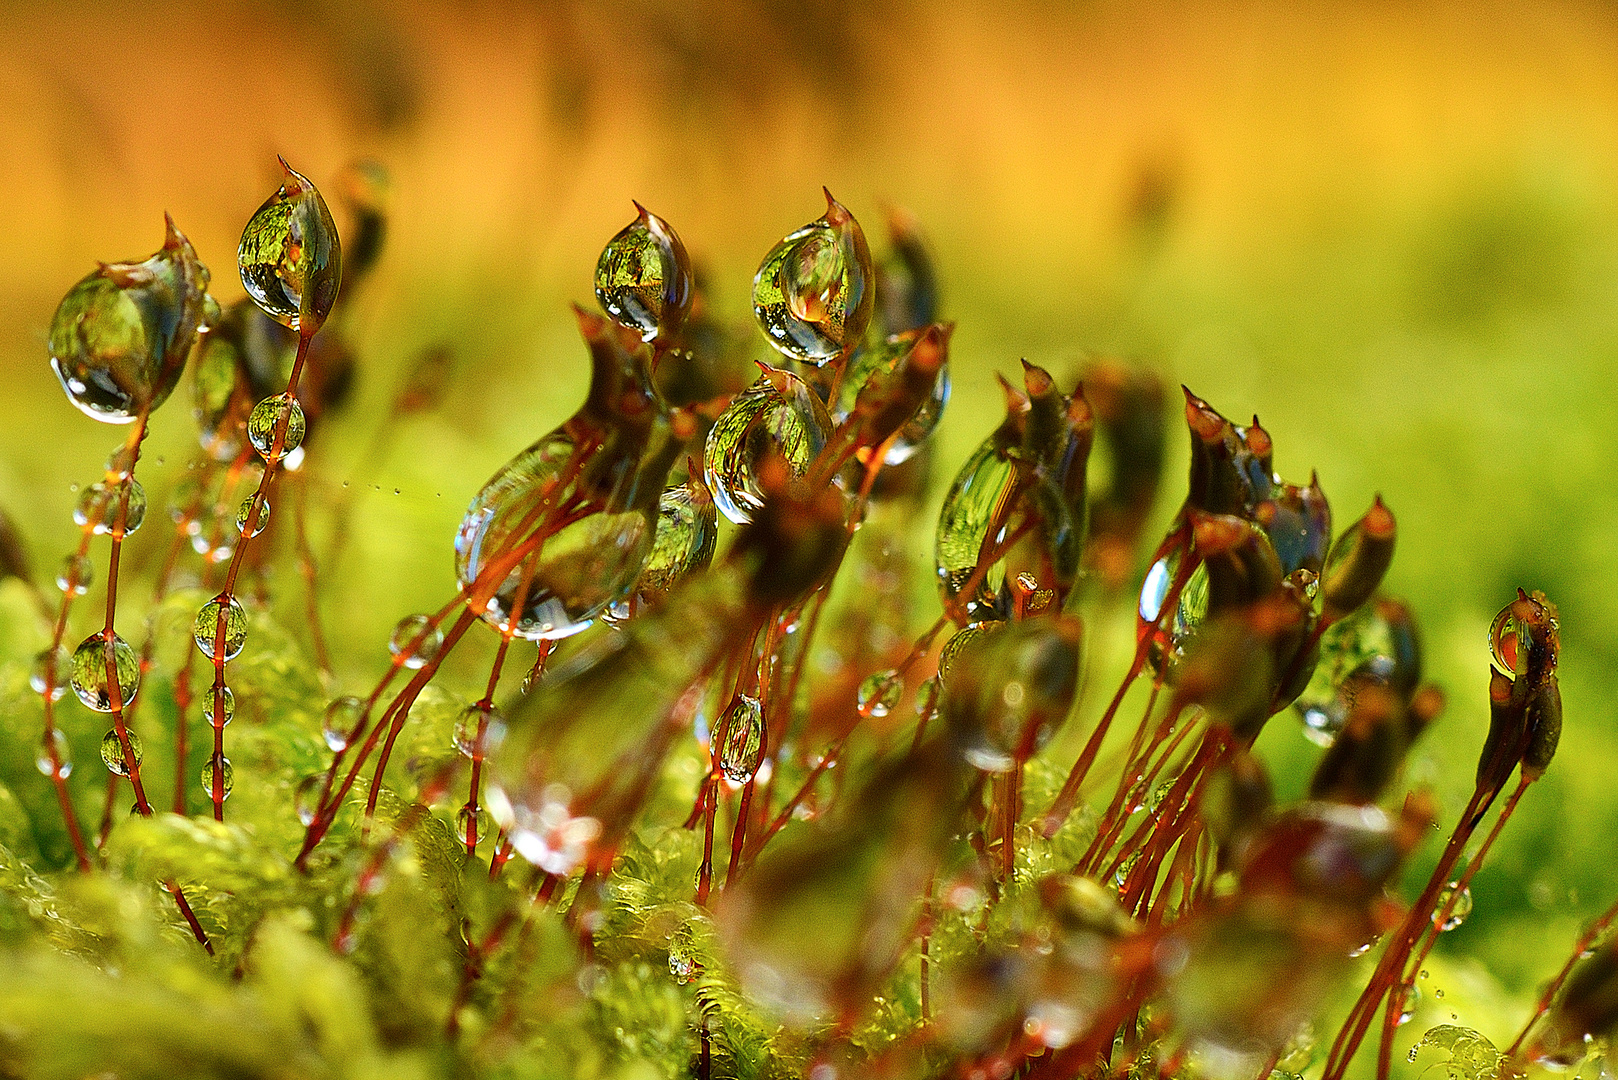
1391, 230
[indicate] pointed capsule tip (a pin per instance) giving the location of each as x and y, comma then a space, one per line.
639, 209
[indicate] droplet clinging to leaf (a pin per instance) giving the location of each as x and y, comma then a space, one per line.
643, 279
120, 337
290, 258
813, 294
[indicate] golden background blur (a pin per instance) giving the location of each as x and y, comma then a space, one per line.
1388, 229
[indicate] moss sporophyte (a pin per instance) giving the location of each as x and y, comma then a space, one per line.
714, 807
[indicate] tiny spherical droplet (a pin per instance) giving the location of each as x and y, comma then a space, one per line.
49, 672
229, 712
304, 798
742, 726
260, 522
112, 751
468, 725
343, 719
63, 765
474, 820
682, 966
1461, 909
89, 672
880, 692
100, 504
75, 576
270, 413
225, 611
120, 463
227, 777
416, 640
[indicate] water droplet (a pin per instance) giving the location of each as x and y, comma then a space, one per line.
1412, 1002
100, 504
342, 722
473, 719
416, 640
579, 571
49, 672
89, 672
63, 765
952, 648
879, 361
112, 751
227, 777
1120, 877
777, 415
1365, 649
643, 278
1154, 591
119, 339
742, 727
270, 413
687, 530
1506, 641
226, 613
682, 966
880, 692
229, 712
974, 506
304, 797
1462, 908
260, 521
476, 819
290, 258
75, 576
813, 293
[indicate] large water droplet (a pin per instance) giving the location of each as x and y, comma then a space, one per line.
569, 578
643, 279
687, 530
112, 752
415, 640
75, 576
270, 413
120, 337
1363, 649
877, 361
227, 778
226, 610
89, 675
342, 720
813, 293
971, 523
742, 728
960, 640
777, 415
290, 258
